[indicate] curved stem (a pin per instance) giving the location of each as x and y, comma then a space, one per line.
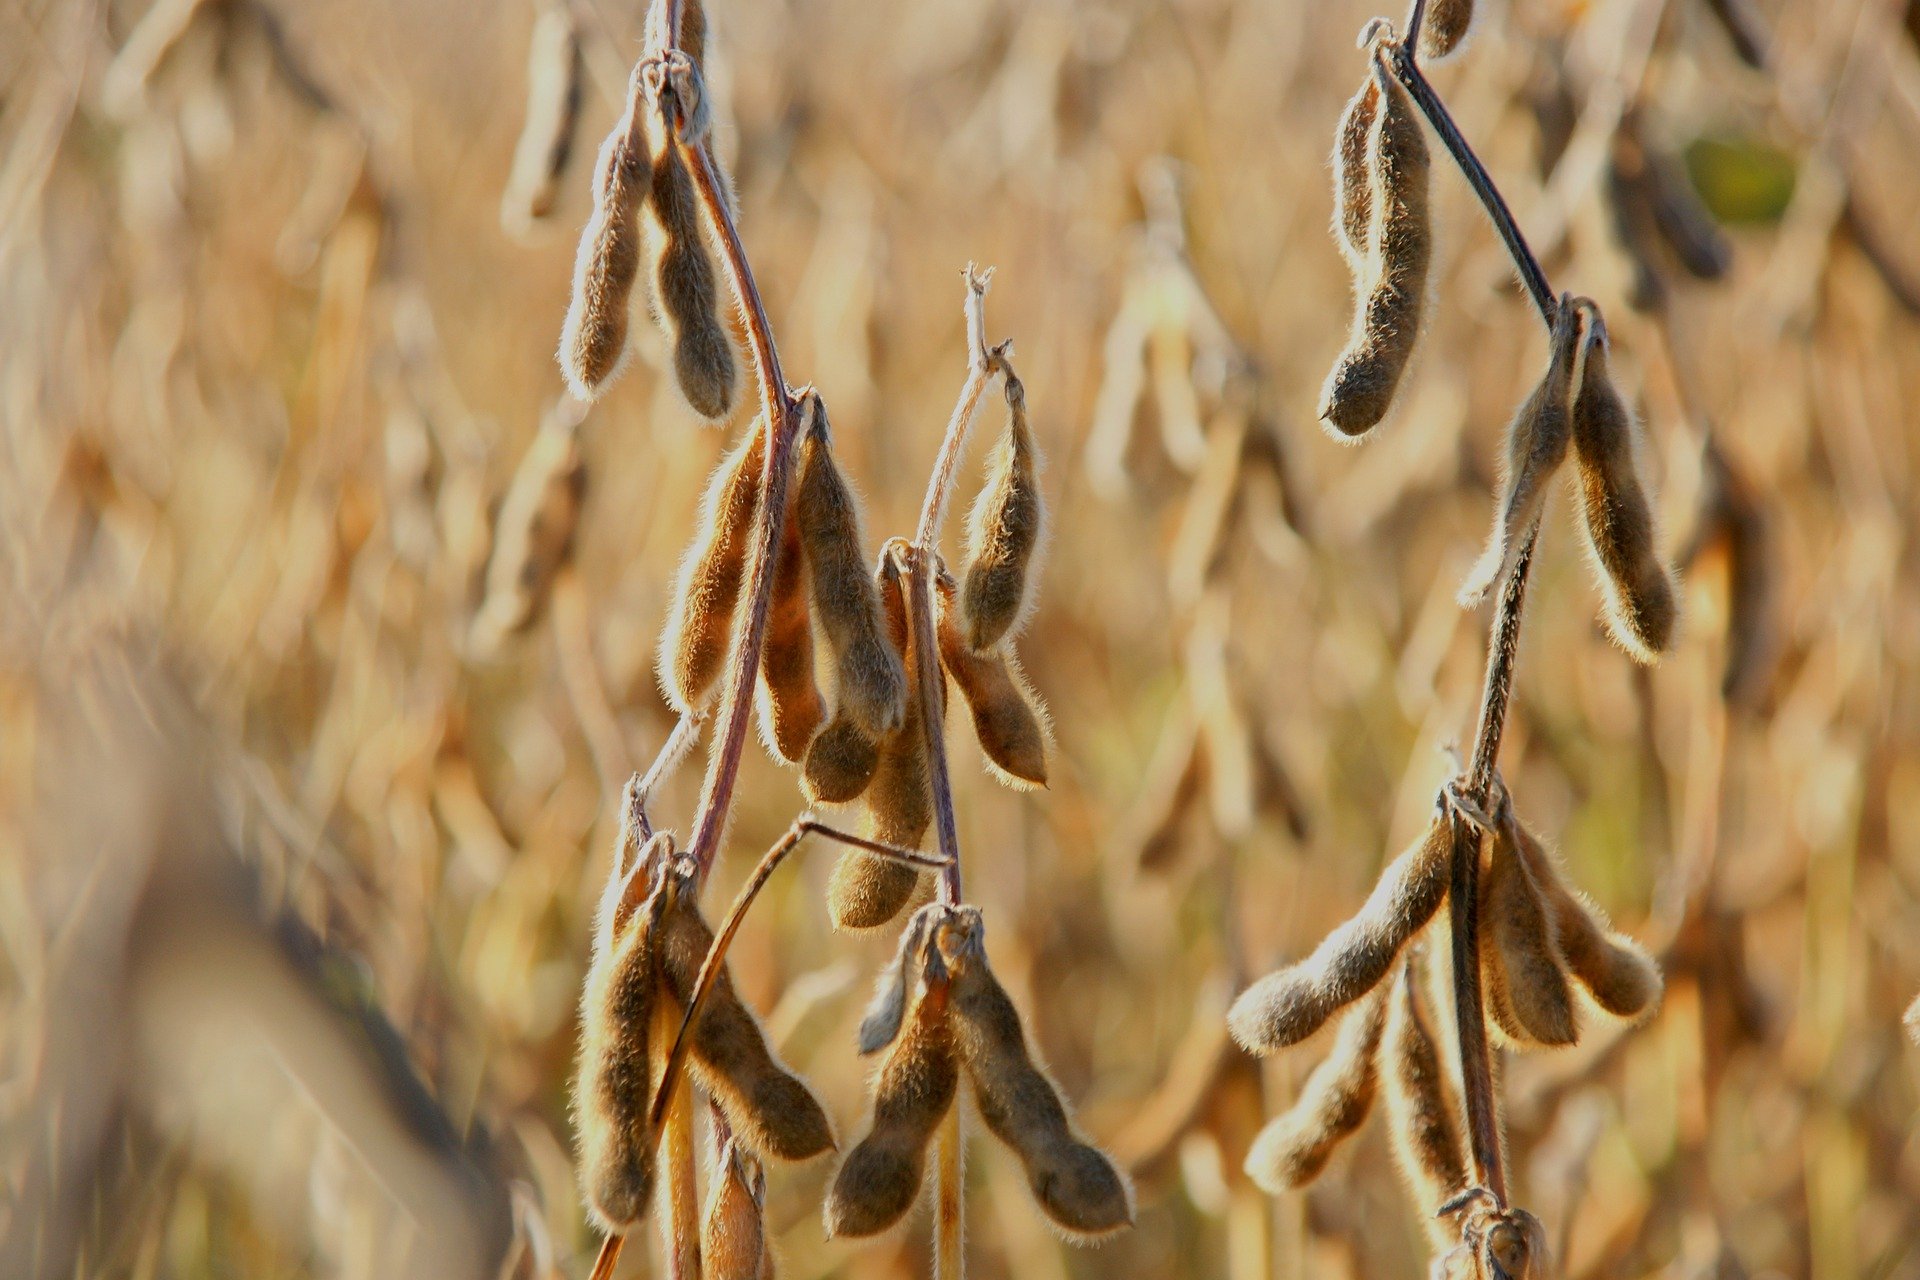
1399, 60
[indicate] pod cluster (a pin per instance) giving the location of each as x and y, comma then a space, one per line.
647, 208
649, 944
1546, 952
940, 1013
1576, 411
878, 759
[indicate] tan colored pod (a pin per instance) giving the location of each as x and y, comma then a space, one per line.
1294, 1147
555, 89
1641, 605
1076, 1185
866, 891
1386, 322
1287, 1006
1537, 442
881, 1176
613, 1073
1422, 1105
534, 534
1615, 970
840, 762
686, 286
699, 632
1353, 183
1733, 520
871, 682
1445, 27
788, 701
1522, 971
593, 339
1007, 716
771, 1110
733, 1228
1004, 533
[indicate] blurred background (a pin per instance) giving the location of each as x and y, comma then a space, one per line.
297, 859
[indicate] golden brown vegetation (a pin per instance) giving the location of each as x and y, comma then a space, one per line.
329, 623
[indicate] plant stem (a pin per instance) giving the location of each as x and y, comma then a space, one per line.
1400, 61
923, 563
949, 1257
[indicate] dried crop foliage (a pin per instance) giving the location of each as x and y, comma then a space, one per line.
330, 618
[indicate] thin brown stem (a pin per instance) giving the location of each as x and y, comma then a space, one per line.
922, 563
949, 1240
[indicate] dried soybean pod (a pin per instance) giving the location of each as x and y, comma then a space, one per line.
1732, 518
534, 533
1446, 26
1386, 322
699, 632
1075, 1184
1616, 971
881, 1021
1296, 1145
866, 891
1353, 184
1524, 974
1421, 1105
1007, 718
1004, 533
1537, 440
593, 340
872, 687
1287, 1006
612, 1081
1641, 607
789, 703
733, 1229
840, 762
555, 84
770, 1109
881, 1176
685, 281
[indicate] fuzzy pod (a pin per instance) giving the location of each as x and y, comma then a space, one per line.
555, 89
1537, 441
733, 1227
699, 631
686, 284
1386, 322
1446, 26
872, 683
1287, 1006
1295, 1145
915, 1088
1523, 972
1007, 716
1353, 183
593, 339
1004, 532
790, 708
614, 1071
1615, 970
771, 1110
865, 890
534, 534
1641, 604
840, 762
1076, 1185
888, 1007
1421, 1103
